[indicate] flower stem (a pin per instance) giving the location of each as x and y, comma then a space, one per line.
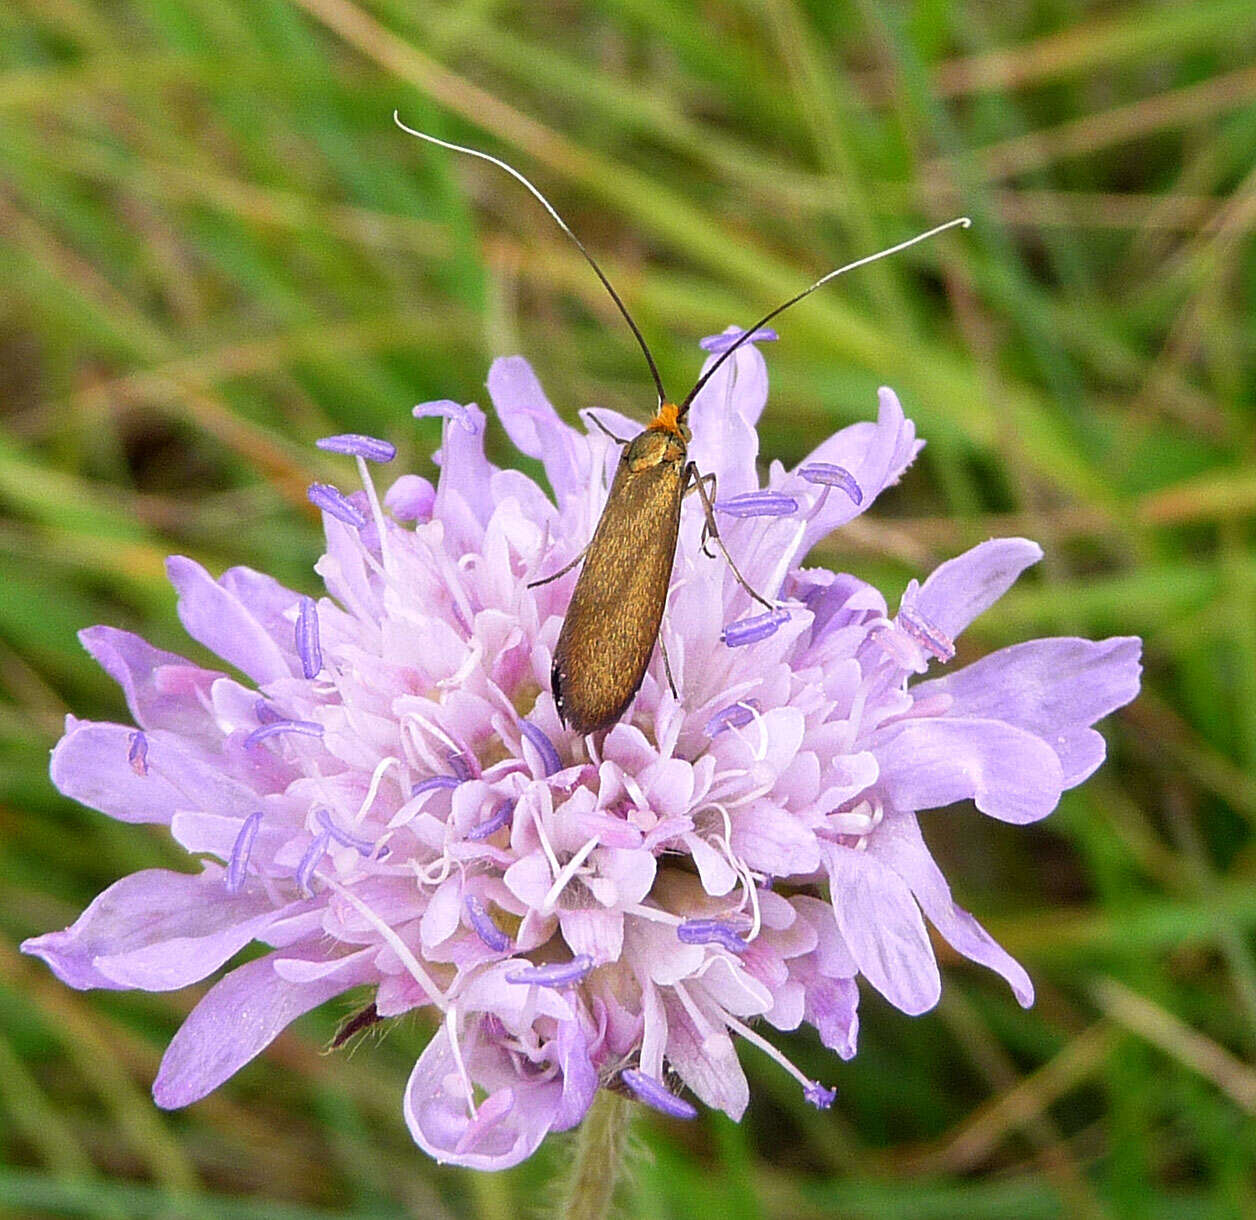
599, 1157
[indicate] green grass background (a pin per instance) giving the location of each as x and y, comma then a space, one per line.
215, 247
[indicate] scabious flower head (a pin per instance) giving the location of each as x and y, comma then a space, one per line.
385, 795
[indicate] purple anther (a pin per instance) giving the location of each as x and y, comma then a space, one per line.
326, 497
307, 638
818, 1096
735, 716
711, 932
925, 633
137, 754
828, 475
752, 630
265, 713
446, 408
433, 782
485, 928
555, 974
306, 728
241, 849
356, 445
758, 504
309, 862
721, 343
654, 1094
544, 747
364, 847
461, 764
500, 817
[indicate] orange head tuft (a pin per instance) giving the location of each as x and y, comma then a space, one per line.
667, 419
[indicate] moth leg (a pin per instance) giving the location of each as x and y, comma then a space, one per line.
545, 580
699, 482
667, 668
602, 428
709, 479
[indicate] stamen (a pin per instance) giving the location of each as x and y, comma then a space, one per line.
925, 633
492, 1111
305, 728
460, 763
372, 790
659, 1097
735, 716
265, 713
326, 497
485, 928
446, 408
363, 847
500, 817
357, 445
451, 1021
768, 1049
394, 942
434, 782
309, 862
718, 344
566, 873
543, 746
758, 504
828, 475
307, 638
241, 849
818, 1096
555, 974
711, 932
752, 630
137, 754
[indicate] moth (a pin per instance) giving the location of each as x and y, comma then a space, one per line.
613, 619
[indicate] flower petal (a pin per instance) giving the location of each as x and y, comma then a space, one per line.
898, 842
1055, 688
723, 416
217, 618
962, 588
90, 764
156, 930
874, 454
237, 1019
1009, 773
163, 690
535, 427
881, 924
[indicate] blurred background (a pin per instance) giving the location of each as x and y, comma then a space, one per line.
215, 247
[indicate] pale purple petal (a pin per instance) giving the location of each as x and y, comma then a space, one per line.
880, 921
723, 417
1009, 773
225, 625
155, 930
441, 1125
899, 844
91, 764
962, 588
237, 1019
1055, 688
163, 690
535, 427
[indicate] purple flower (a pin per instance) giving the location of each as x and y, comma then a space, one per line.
390, 799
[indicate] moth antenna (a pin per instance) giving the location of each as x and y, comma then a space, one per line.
562, 224
961, 221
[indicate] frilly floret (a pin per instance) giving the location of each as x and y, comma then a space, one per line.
381, 789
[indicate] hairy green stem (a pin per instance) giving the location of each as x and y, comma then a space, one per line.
599, 1157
